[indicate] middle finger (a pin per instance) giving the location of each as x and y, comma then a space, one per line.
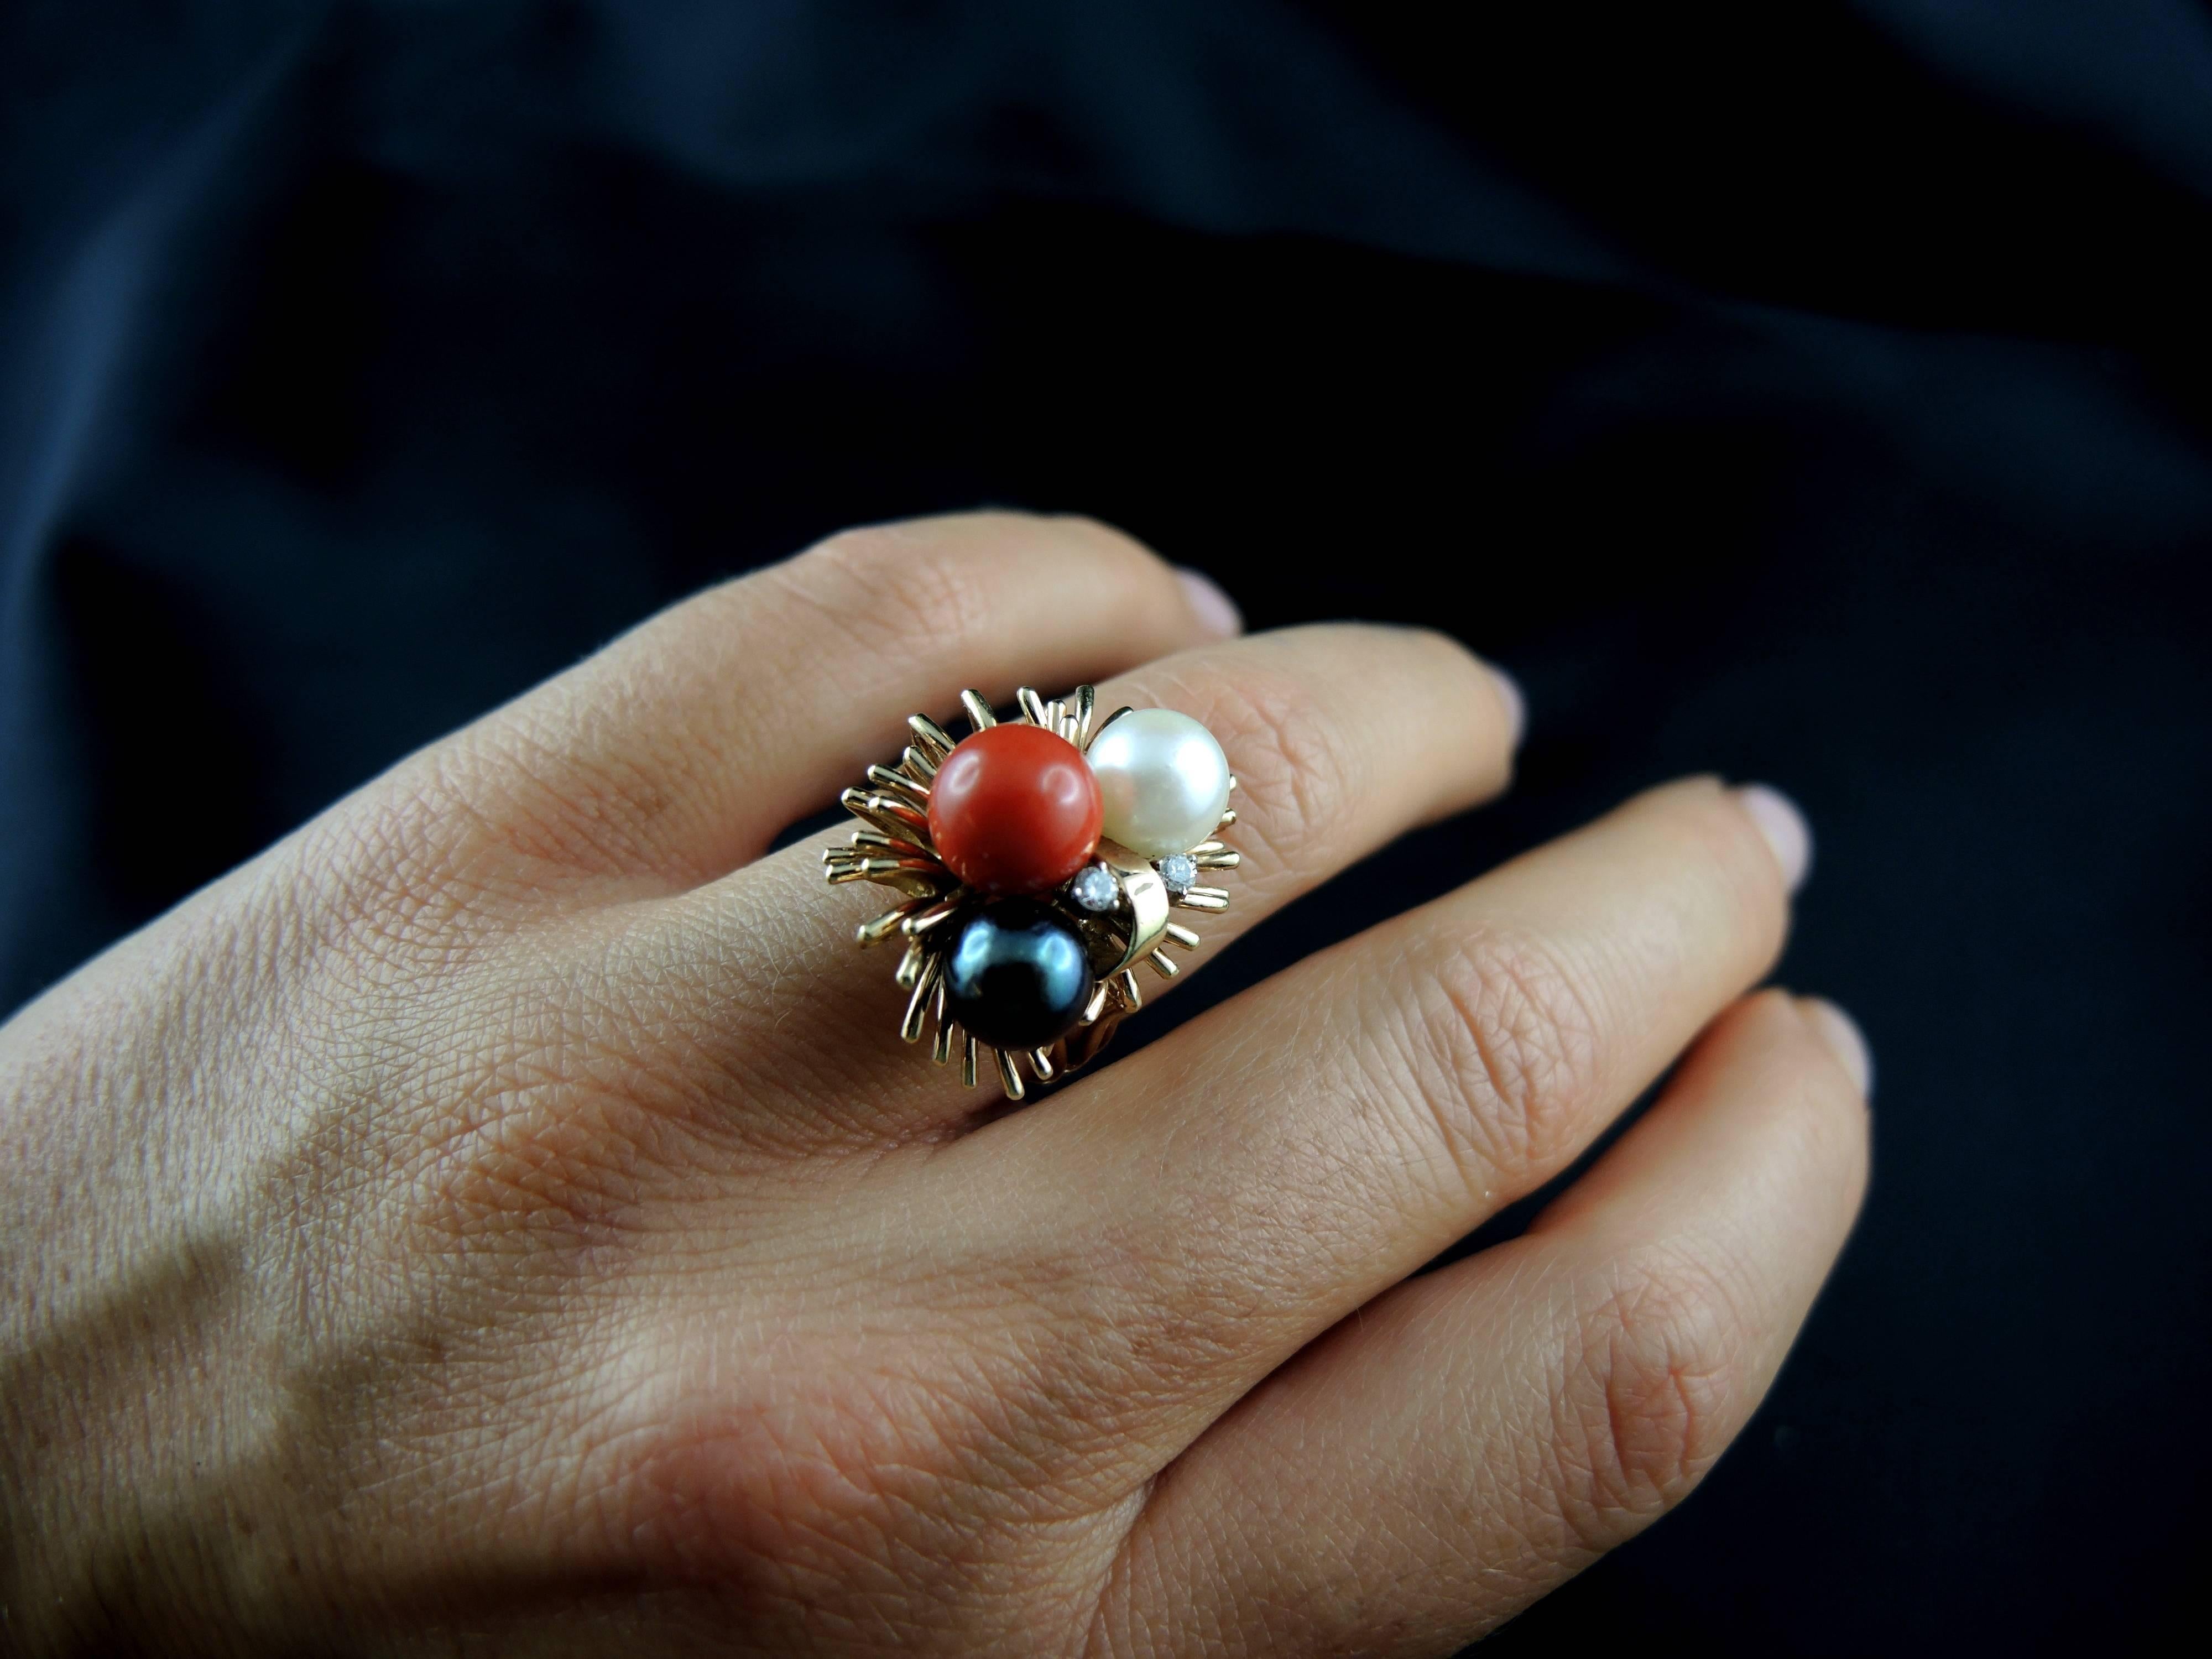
1342, 737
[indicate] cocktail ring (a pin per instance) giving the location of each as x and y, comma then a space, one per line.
1039, 859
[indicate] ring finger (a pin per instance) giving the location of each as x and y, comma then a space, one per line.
1342, 737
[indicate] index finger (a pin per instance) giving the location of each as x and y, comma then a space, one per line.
682, 750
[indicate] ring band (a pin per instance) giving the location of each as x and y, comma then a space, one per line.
1039, 859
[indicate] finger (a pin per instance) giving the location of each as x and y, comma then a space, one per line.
683, 749
1219, 1199
1342, 737
1477, 1436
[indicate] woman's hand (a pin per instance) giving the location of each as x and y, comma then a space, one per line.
502, 1217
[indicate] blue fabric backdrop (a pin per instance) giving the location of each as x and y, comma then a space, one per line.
1816, 393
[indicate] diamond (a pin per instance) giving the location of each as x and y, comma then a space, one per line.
1095, 888
1179, 871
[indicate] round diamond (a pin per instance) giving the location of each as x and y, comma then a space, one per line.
1180, 873
1095, 888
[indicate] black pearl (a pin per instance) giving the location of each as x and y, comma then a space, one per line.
1016, 975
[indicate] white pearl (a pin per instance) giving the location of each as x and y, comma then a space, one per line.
1163, 780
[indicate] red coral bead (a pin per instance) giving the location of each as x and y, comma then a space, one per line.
1015, 809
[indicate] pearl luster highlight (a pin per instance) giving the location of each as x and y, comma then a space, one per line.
1162, 780
1016, 975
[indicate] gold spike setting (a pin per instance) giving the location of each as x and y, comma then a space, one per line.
892, 847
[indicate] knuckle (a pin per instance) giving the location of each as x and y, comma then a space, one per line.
1099, 537
1450, 662
1653, 1373
1717, 840
1316, 774
1071, 1357
445, 854
889, 584
1297, 773
1125, 1327
545, 1136
767, 1482
1499, 1056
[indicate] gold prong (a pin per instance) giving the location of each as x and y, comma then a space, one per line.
917, 1006
940, 1049
1233, 783
892, 818
934, 738
1082, 1046
1227, 819
1109, 720
901, 813
878, 869
926, 918
915, 883
899, 784
883, 926
894, 849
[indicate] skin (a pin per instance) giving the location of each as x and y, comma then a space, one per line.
502, 1218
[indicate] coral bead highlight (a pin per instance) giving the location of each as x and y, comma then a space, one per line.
1014, 809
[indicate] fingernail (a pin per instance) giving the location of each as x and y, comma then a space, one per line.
1517, 706
1844, 1036
1785, 828
1216, 611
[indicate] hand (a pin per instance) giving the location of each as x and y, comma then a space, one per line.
502, 1217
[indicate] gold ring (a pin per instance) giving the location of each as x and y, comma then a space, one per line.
1038, 860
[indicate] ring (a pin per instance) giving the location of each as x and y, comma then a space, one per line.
1039, 859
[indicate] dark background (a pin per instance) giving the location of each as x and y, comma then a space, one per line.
1815, 393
